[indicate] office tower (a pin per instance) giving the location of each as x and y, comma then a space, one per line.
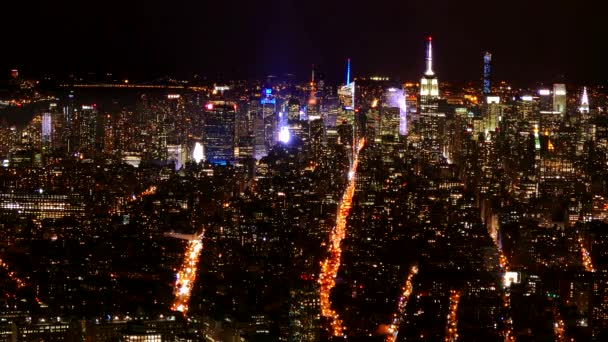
270, 117
487, 59
544, 100
219, 132
293, 110
86, 121
559, 98
585, 127
256, 117
492, 114
429, 119
584, 107
47, 130
176, 154
312, 108
393, 113
69, 127
346, 97
372, 123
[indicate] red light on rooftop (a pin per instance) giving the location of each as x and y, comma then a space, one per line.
430, 38
209, 106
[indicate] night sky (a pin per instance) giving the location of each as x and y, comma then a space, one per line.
531, 40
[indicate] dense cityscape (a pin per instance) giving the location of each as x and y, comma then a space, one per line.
295, 208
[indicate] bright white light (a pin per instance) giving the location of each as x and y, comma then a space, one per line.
510, 278
198, 153
544, 92
493, 99
284, 135
527, 98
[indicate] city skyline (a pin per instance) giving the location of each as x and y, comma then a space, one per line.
438, 179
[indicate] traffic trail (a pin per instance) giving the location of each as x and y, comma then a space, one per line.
506, 296
331, 265
407, 288
451, 329
585, 256
186, 275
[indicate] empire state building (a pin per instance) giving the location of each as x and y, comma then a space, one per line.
430, 125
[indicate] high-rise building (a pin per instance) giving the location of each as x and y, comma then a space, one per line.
487, 59
87, 122
393, 113
293, 110
312, 107
219, 132
586, 128
177, 155
346, 97
47, 129
492, 114
559, 98
429, 116
584, 108
269, 116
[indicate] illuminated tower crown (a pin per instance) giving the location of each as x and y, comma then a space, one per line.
429, 85
584, 108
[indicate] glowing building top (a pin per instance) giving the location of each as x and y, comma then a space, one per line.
429, 85
584, 108
312, 100
348, 71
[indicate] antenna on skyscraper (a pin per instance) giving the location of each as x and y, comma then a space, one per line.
348, 71
429, 57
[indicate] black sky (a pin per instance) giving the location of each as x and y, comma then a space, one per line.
531, 40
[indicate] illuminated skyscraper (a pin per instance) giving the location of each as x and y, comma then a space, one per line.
559, 98
393, 113
47, 129
429, 121
87, 121
219, 132
492, 114
487, 59
312, 108
293, 110
585, 126
584, 108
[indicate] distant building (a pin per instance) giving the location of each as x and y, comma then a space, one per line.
429, 116
41, 206
219, 132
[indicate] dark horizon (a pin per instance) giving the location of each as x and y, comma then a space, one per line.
530, 42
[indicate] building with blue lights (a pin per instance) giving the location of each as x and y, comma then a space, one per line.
219, 132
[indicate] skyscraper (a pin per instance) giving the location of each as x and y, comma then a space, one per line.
559, 98
487, 59
584, 108
393, 113
47, 129
219, 132
429, 121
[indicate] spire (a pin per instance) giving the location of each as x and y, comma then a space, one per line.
429, 58
348, 71
584, 101
313, 74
